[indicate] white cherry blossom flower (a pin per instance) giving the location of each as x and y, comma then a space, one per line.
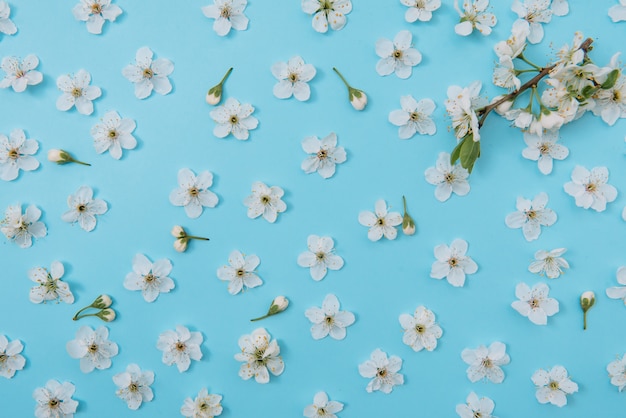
590, 188
265, 201
204, 406
535, 12
93, 348
114, 134
49, 284
544, 149
549, 263
151, 278
461, 105
16, 153
95, 13
241, 273
84, 208
420, 329
322, 407
11, 359
77, 92
293, 77
228, 14
553, 386
234, 118
473, 16
397, 56
180, 347
610, 104
452, 263
327, 12
484, 363
55, 400
148, 74
421, 10
329, 320
21, 228
413, 117
475, 407
383, 371
260, 356
20, 74
617, 13
320, 257
531, 216
324, 155
381, 222
193, 192
617, 372
6, 25
534, 303
448, 178
505, 75
619, 292
516, 43
133, 386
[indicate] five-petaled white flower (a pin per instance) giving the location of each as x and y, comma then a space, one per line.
322, 407
260, 356
473, 16
383, 371
420, 329
534, 12
265, 201
293, 77
421, 10
6, 25
77, 92
228, 14
49, 284
448, 178
84, 208
234, 118
485, 362
325, 154
21, 228
475, 407
16, 154
413, 117
193, 192
320, 257
452, 263
329, 320
11, 359
204, 406
20, 75
544, 149
534, 303
180, 347
92, 348
461, 105
590, 188
531, 215
381, 222
549, 263
241, 272
148, 74
553, 386
150, 278
397, 56
327, 12
617, 372
95, 12
55, 400
114, 134
134, 386
619, 292
617, 13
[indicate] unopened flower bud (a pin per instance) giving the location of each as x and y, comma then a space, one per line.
178, 231
182, 239
587, 300
180, 245
358, 98
107, 315
503, 107
61, 157
278, 305
408, 224
101, 302
214, 95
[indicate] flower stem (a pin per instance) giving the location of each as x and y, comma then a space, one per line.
532, 64
230, 70
195, 237
78, 162
260, 317
404, 203
585, 320
341, 76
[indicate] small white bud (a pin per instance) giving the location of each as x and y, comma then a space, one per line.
178, 231
57, 156
180, 245
107, 315
212, 98
102, 301
281, 303
358, 99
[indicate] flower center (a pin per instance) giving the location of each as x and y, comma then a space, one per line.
397, 54
420, 4
293, 77
14, 153
19, 73
225, 12
148, 73
240, 272
544, 149
453, 262
203, 406
258, 355
149, 278
234, 119
381, 373
96, 9
617, 96
180, 346
77, 92
3, 358
477, 415
194, 191
320, 256
327, 5
112, 134
487, 363
81, 208
449, 178
133, 387
329, 320
322, 154
420, 329
534, 303
553, 385
415, 116
51, 285
590, 187
531, 214
265, 199
93, 348
53, 403
380, 221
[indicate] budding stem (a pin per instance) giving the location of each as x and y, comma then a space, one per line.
230, 70
78, 162
342, 79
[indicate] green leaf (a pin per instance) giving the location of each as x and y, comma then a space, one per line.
588, 91
611, 79
456, 152
469, 153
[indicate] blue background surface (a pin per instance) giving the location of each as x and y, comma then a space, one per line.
380, 280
